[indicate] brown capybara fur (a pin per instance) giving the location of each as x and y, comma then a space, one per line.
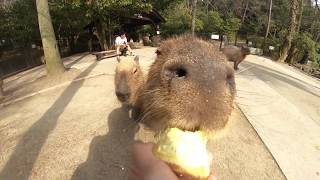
235, 54
128, 79
189, 86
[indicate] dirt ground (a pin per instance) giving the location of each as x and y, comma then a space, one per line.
79, 131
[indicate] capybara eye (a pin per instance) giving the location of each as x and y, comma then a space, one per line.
135, 70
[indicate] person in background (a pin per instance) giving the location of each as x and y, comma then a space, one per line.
122, 43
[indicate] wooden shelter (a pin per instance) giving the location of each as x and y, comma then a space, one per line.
129, 24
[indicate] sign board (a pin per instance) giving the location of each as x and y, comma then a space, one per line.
271, 48
215, 37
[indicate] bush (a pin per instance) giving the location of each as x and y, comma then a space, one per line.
306, 48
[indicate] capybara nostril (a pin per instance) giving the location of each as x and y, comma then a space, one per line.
176, 72
180, 72
123, 96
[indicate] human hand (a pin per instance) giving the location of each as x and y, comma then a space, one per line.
147, 167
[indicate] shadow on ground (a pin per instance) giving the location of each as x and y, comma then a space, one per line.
77, 60
109, 155
22, 160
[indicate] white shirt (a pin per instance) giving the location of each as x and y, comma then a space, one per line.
120, 41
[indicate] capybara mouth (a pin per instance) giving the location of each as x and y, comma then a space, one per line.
123, 99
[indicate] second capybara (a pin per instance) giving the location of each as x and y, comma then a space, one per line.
128, 79
236, 54
190, 86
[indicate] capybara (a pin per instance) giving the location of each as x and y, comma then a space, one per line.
190, 86
236, 54
128, 79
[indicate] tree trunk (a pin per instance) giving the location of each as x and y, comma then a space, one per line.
71, 44
1, 89
242, 21
109, 32
194, 16
293, 49
299, 16
101, 35
291, 32
1, 82
221, 40
268, 25
54, 63
291, 54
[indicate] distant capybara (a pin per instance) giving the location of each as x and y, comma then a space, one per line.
128, 79
189, 86
236, 54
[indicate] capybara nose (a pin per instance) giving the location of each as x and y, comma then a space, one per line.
123, 96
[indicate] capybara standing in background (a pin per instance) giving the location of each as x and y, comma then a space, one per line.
189, 86
128, 79
236, 54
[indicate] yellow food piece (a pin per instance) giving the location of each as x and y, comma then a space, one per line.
186, 151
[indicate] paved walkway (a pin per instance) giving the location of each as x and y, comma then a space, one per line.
78, 130
283, 105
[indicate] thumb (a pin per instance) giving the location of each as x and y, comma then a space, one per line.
212, 177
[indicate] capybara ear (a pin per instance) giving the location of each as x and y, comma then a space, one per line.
118, 59
136, 59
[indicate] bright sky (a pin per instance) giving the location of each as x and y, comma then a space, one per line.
314, 2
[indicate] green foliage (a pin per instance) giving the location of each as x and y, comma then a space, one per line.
231, 25
178, 17
162, 5
104, 8
213, 23
146, 29
75, 21
306, 47
19, 23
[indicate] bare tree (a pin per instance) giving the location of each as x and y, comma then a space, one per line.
268, 25
194, 16
242, 20
54, 63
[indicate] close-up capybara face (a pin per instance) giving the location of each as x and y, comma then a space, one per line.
190, 86
128, 79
